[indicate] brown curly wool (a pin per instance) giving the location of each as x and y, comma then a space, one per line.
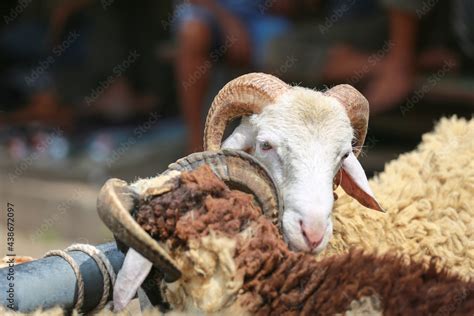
200, 203
279, 281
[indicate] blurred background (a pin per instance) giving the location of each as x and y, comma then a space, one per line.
93, 89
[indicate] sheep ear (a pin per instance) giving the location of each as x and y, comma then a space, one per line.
355, 183
242, 138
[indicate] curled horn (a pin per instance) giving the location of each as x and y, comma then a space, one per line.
357, 108
115, 203
239, 170
245, 95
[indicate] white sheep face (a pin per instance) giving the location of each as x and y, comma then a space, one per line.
302, 139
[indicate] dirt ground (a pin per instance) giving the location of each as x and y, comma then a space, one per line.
50, 214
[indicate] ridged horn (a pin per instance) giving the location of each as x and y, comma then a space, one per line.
245, 95
115, 202
357, 108
240, 171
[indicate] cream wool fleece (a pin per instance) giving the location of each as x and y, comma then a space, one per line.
429, 198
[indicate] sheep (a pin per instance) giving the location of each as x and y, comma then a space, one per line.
117, 199
307, 139
232, 260
279, 108
429, 197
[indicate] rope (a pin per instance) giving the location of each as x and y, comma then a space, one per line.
77, 272
105, 268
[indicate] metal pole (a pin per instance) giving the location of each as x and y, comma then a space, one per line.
50, 281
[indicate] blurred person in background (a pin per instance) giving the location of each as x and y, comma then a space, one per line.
33, 112
66, 62
72, 47
119, 70
235, 31
378, 46
423, 39
28, 62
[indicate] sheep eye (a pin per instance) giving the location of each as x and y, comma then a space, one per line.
345, 156
265, 146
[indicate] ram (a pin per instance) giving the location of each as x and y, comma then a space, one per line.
309, 141
225, 257
117, 201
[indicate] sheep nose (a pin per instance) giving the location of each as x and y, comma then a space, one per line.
312, 236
